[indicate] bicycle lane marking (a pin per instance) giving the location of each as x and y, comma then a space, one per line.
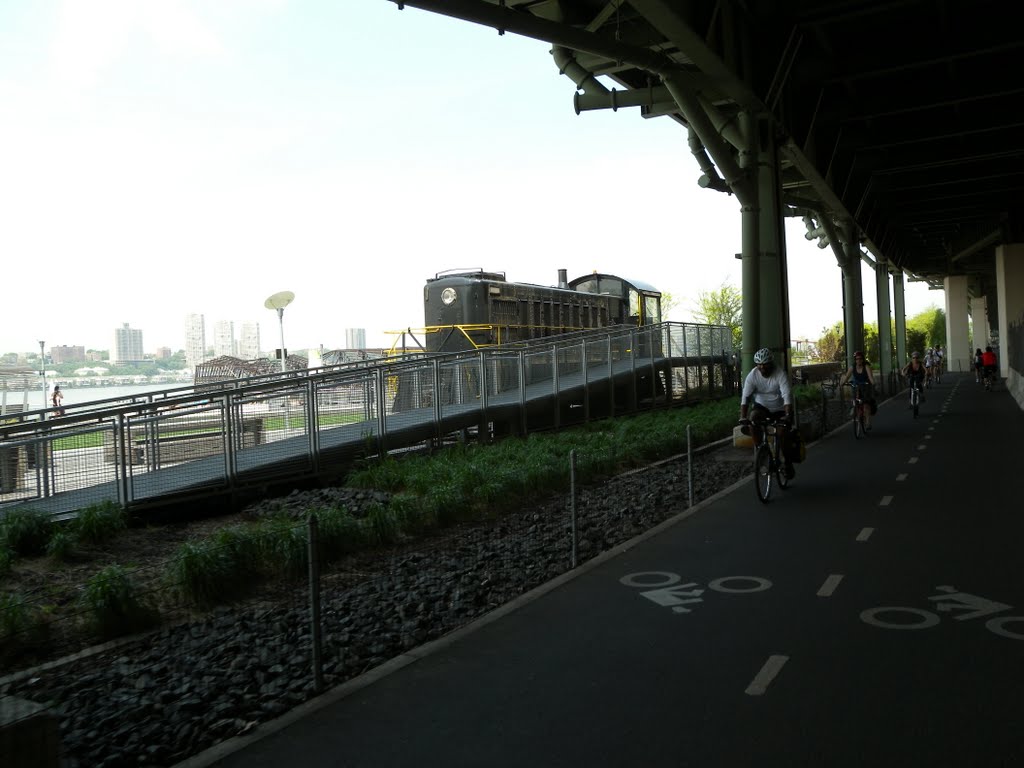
865, 534
886, 501
830, 585
772, 667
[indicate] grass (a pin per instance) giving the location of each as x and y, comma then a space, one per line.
113, 605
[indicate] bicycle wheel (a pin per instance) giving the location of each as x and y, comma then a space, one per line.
858, 422
780, 468
914, 399
763, 472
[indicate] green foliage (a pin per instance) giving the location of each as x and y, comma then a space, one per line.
928, 326
100, 522
15, 620
6, 558
218, 569
24, 532
831, 345
61, 545
722, 307
113, 604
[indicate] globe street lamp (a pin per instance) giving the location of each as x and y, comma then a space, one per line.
42, 372
279, 301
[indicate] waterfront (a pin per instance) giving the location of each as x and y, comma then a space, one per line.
34, 398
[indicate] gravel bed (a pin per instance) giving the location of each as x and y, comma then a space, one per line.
180, 690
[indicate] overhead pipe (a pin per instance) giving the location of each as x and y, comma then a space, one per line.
719, 149
582, 77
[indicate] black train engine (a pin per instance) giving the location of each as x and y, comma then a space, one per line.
471, 309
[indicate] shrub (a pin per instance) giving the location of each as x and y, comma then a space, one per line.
205, 574
24, 532
61, 545
114, 606
100, 522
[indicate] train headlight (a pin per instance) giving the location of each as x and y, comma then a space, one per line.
448, 296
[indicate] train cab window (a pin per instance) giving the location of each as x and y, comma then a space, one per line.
634, 307
652, 309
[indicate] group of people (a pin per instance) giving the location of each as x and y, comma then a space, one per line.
984, 364
767, 393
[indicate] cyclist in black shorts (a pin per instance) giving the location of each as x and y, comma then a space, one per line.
772, 396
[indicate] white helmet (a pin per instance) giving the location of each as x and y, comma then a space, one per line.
763, 355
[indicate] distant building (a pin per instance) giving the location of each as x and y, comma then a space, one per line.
355, 338
127, 347
224, 339
195, 339
95, 355
249, 341
65, 354
163, 353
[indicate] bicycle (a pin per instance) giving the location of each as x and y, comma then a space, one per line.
858, 411
990, 376
915, 396
769, 461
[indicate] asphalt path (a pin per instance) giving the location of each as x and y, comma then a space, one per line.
872, 614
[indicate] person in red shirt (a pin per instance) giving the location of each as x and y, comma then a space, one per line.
989, 363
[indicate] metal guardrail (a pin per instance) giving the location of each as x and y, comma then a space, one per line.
187, 441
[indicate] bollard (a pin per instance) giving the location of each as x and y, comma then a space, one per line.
689, 464
572, 503
314, 604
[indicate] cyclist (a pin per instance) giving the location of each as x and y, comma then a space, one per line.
860, 373
769, 388
989, 363
979, 366
929, 361
915, 371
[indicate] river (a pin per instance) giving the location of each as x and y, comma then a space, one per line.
74, 395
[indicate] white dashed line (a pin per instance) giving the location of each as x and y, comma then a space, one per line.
927, 437
921, 447
830, 585
764, 678
886, 500
865, 534
912, 460
901, 477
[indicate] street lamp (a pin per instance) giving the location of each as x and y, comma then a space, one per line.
279, 301
42, 372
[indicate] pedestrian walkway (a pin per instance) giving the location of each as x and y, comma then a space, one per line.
872, 614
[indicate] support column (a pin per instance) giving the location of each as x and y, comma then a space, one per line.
959, 355
979, 323
853, 293
774, 291
900, 312
1010, 297
884, 326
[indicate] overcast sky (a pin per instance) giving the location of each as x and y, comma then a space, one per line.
165, 157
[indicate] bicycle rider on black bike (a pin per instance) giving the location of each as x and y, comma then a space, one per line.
773, 398
915, 370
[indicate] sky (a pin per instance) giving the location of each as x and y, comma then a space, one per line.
178, 156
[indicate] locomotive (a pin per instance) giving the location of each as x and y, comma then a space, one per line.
470, 309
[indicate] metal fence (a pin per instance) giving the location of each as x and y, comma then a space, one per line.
188, 442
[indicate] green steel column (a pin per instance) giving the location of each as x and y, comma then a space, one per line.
884, 327
853, 293
900, 312
774, 294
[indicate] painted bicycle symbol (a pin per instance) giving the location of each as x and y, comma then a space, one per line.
962, 605
663, 588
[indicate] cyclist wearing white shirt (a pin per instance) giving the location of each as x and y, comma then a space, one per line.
772, 396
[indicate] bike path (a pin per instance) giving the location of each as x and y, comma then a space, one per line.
741, 634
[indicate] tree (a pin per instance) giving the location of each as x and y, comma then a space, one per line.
668, 303
831, 346
932, 324
722, 307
